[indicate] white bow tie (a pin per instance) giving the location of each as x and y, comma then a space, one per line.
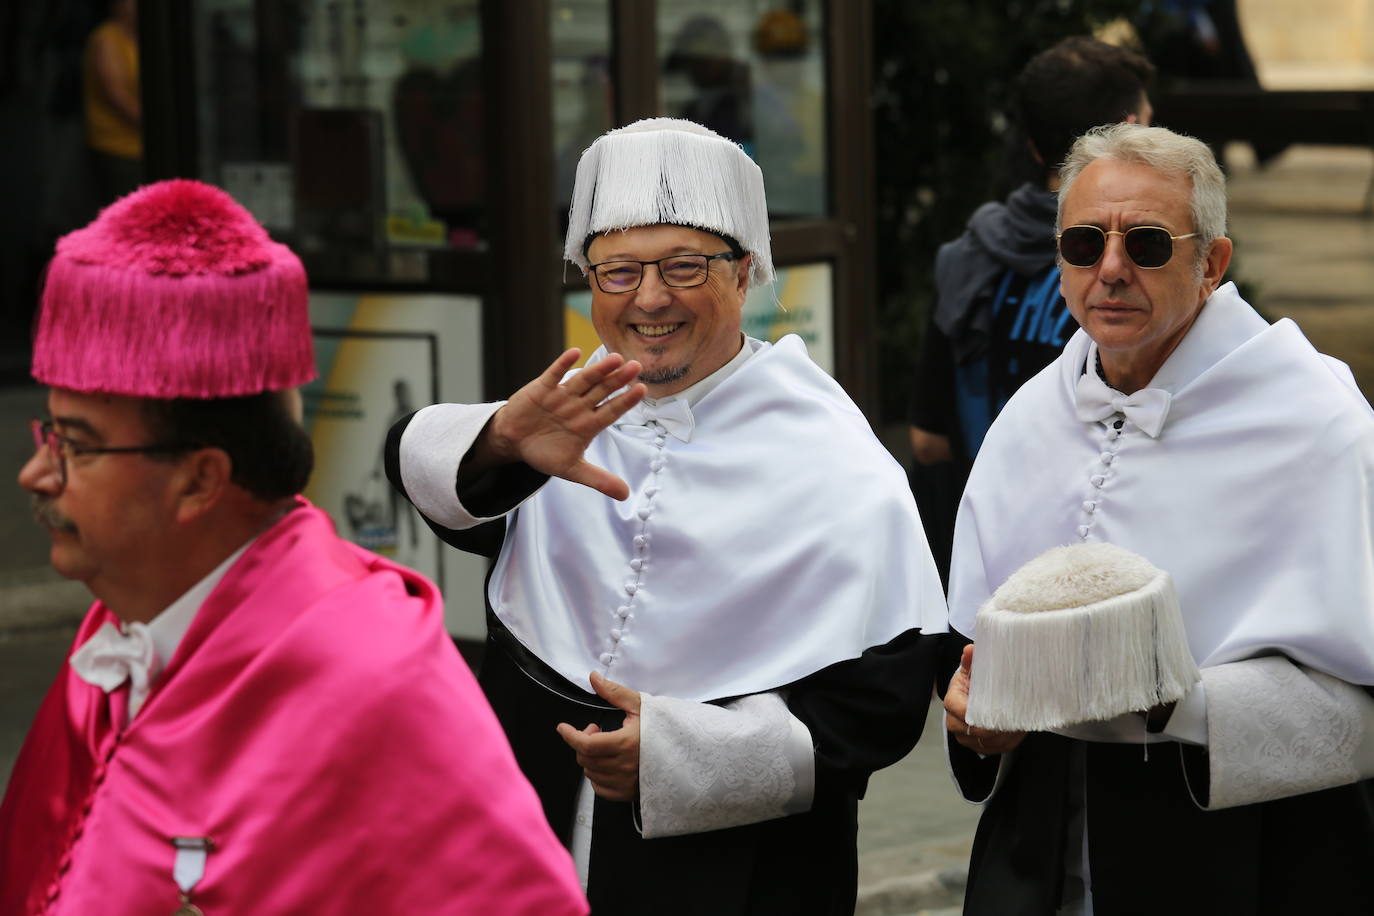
110, 657
1147, 408
673, 415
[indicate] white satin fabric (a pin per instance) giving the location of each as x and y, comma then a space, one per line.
432, 448
1256, 496
780, 539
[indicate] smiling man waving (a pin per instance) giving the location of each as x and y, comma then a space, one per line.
700, 672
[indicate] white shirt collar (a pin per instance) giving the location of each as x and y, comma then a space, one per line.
171, 624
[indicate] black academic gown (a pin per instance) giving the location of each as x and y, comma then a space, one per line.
863, 714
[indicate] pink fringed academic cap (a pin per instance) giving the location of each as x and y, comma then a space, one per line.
174, 291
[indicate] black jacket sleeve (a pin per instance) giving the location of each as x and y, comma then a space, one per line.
975, 775
867, 713
932, 406
491, 494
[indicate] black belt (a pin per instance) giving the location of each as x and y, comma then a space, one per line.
536, 670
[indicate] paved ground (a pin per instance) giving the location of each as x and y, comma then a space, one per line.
1305, 249
1305, 243
28, 661
915, 833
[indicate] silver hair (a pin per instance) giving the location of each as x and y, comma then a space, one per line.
1164, 151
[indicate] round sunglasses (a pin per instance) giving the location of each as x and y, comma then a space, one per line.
1150, 247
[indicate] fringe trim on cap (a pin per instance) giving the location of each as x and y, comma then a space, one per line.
1046, 669
118, 331
670, 171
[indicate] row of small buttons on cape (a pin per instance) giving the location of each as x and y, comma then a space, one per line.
621, 616
1102, 474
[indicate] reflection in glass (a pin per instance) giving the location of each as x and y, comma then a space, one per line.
583, 93
111, 103
351, 128
754, 71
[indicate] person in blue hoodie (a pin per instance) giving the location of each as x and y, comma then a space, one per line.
998, 317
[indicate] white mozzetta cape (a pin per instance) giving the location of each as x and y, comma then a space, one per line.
1255, 498
780, 539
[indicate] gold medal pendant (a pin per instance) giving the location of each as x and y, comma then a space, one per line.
187, 908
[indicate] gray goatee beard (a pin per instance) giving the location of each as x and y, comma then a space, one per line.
665, 376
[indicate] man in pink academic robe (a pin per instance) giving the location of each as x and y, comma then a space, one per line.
258, 716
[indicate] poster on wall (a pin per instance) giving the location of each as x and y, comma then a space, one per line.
799, 302
382, 357
377, 377
802, 306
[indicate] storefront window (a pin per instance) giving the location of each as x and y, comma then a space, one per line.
351, 128
583, 90
754, 70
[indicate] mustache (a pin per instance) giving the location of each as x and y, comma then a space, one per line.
46, 515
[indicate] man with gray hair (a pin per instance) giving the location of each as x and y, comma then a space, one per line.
708, 613
1180, 425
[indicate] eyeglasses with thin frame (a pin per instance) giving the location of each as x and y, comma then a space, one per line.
59, 448
681, 271
1150, 247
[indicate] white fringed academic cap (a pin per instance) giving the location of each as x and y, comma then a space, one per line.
1079, 634
667, 170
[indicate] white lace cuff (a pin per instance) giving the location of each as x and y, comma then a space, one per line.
705, 767
432, 447
1276, 729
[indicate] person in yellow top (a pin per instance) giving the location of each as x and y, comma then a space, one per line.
113, 111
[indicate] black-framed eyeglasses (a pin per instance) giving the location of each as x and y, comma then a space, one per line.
1150, 247
681, 271
59, 448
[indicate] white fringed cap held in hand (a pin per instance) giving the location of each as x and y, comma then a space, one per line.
1079, 634
675, 172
